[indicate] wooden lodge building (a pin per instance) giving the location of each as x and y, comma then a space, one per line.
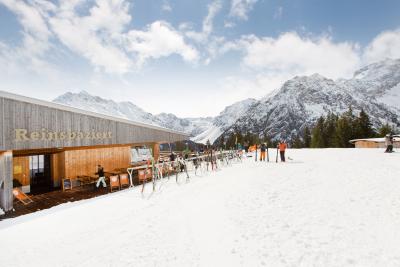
43, 142
374, 142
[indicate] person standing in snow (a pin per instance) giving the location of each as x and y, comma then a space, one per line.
389, 143
263, 148
246, 147
102, 177
282, 148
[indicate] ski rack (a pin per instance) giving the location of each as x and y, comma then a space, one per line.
226, 157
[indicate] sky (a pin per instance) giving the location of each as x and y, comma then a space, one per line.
189, 58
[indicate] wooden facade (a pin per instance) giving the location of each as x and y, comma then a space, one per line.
73, 163
84, 162
49, 125
368, 144
75, 140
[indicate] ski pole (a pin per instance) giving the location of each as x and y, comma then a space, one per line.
277, 155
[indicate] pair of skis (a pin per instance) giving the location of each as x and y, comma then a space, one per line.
260, 152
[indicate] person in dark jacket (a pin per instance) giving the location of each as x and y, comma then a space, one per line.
263, 148
172, 157
102, 177
389, 143
246, 147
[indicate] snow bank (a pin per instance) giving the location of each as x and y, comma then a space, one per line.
1, 212
326, 207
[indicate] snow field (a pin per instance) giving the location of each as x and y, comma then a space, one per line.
327, 207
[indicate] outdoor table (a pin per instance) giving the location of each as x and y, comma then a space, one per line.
86, 179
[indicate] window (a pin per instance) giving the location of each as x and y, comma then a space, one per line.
36, 165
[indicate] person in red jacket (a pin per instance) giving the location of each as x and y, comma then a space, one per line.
282, 147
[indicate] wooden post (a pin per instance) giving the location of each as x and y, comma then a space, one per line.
156, 151
6, 180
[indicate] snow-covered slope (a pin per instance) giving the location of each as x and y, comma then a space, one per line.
224, 120
301, 100
378, 82
202, 129
193, 126
329, 208
126, 110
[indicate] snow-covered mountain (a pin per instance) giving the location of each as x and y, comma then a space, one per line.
196, 127
301, 100
281, 114
130, 111
224, 120
193, 126
126, 110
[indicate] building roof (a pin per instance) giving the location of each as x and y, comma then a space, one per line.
58, 106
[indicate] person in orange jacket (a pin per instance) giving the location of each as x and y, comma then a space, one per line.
282, 147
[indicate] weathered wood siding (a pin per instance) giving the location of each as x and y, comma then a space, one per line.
33, 117
2, 137
6, 173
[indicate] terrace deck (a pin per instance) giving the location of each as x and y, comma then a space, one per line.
54, 198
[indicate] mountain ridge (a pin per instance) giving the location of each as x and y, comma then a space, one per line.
283, 113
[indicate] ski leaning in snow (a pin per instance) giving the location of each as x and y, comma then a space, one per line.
277, 152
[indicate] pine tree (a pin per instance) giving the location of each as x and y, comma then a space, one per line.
329, 130
307, 137
297, 143
364, 126
317, 138
344, 131
384, 130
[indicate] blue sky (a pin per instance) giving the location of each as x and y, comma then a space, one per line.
190, 58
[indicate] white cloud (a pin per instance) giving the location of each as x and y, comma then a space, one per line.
35, 30
166, 6
30, 18
291, 53
229, 24
31, 52
272, 61
385, 45
159, 40
93, 36
241, 8
207, 26
98, 31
